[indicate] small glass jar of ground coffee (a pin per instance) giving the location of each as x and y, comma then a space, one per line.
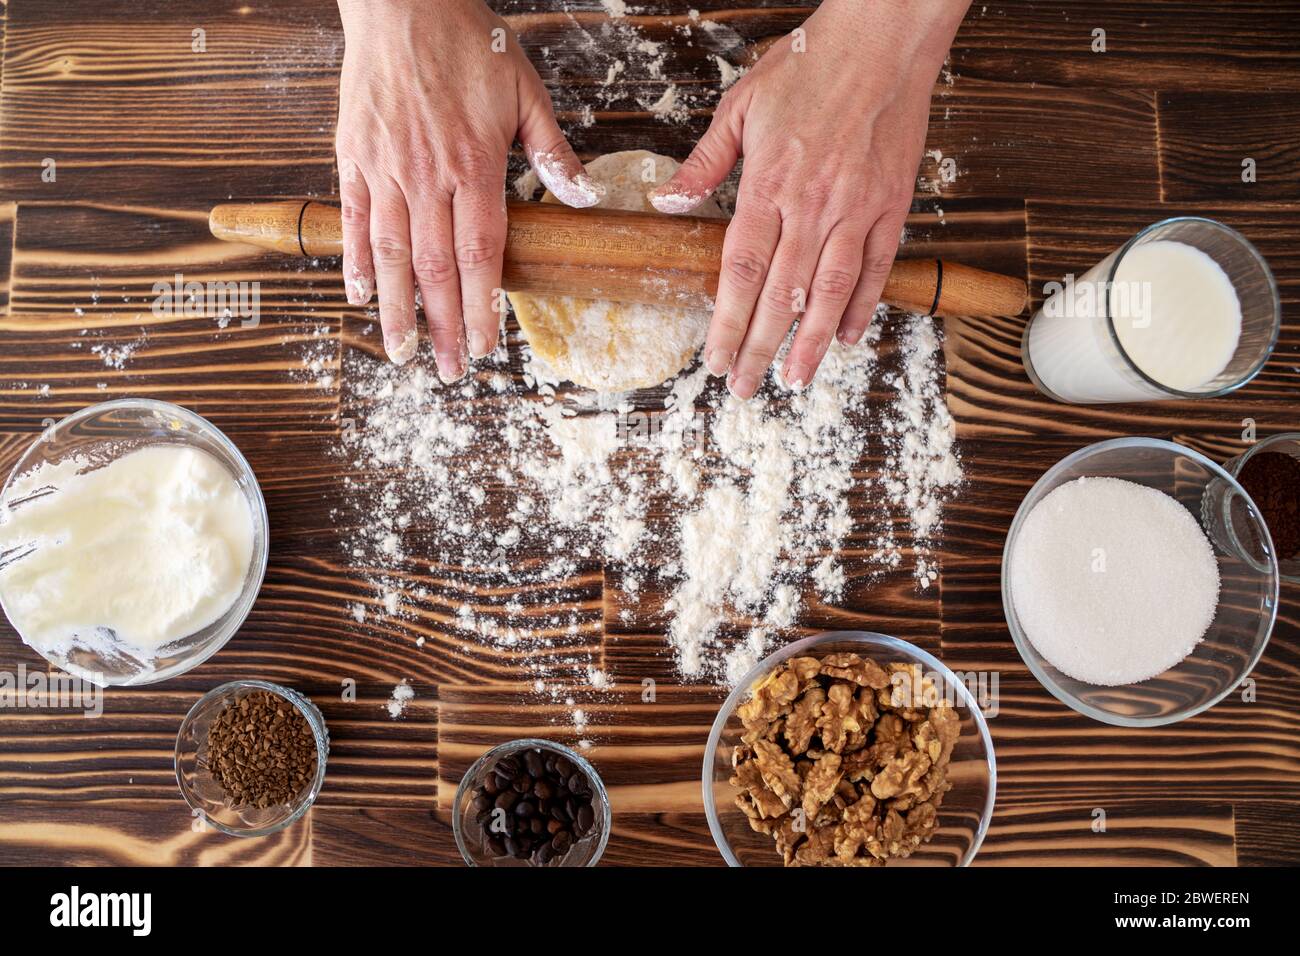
531, 803
250, 757
1270, 473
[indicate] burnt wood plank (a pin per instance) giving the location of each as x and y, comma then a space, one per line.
1237, 751
8, 211
250, 115
1137, 833
1266, 834
133, 834
1243, 45
256, 121
86, 322
1211, 144
355, 836
66, 758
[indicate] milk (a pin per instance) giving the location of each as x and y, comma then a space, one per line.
1174, 311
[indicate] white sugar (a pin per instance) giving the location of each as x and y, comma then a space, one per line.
1113, 582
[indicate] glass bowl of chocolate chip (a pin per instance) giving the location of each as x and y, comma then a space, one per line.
852, 748
531, 803
250, 757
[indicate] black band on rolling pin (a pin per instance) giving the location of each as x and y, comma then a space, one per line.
938, 285
302, 212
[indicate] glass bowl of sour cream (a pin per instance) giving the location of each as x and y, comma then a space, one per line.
133, 542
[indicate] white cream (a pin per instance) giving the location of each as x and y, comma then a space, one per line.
152, 547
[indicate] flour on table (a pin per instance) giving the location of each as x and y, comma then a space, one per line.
503, 512
403, 694
921, 464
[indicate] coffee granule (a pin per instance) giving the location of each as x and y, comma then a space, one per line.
261, 750
1272, 479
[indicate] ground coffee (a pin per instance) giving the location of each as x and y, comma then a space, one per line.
1272, 479
261, 750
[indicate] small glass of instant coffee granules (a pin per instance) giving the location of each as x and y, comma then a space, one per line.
531, 803
250, 757
1269, 471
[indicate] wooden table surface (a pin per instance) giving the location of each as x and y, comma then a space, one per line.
1062, 153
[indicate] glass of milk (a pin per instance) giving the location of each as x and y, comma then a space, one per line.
1187, 308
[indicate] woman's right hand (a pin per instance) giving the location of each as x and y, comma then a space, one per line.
431, 97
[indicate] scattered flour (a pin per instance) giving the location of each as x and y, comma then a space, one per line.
671, 106
490, 505
402, 695
728, 72
118, 357
921, 464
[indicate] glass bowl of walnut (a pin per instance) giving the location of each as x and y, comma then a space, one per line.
851, 748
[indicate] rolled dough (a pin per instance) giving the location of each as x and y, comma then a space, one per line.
615, 346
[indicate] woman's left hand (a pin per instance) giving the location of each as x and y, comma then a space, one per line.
831, 123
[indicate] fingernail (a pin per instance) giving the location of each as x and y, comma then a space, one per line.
797, 375
450, 367
718, 361
478, 344
401, 347
850, 336
742, 386
592, 191
675, 202
358, 289
579, 192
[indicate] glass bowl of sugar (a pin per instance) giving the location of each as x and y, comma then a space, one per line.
133, 542
1125, 593
964, 811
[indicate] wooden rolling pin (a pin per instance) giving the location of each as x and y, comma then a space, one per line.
621, 256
